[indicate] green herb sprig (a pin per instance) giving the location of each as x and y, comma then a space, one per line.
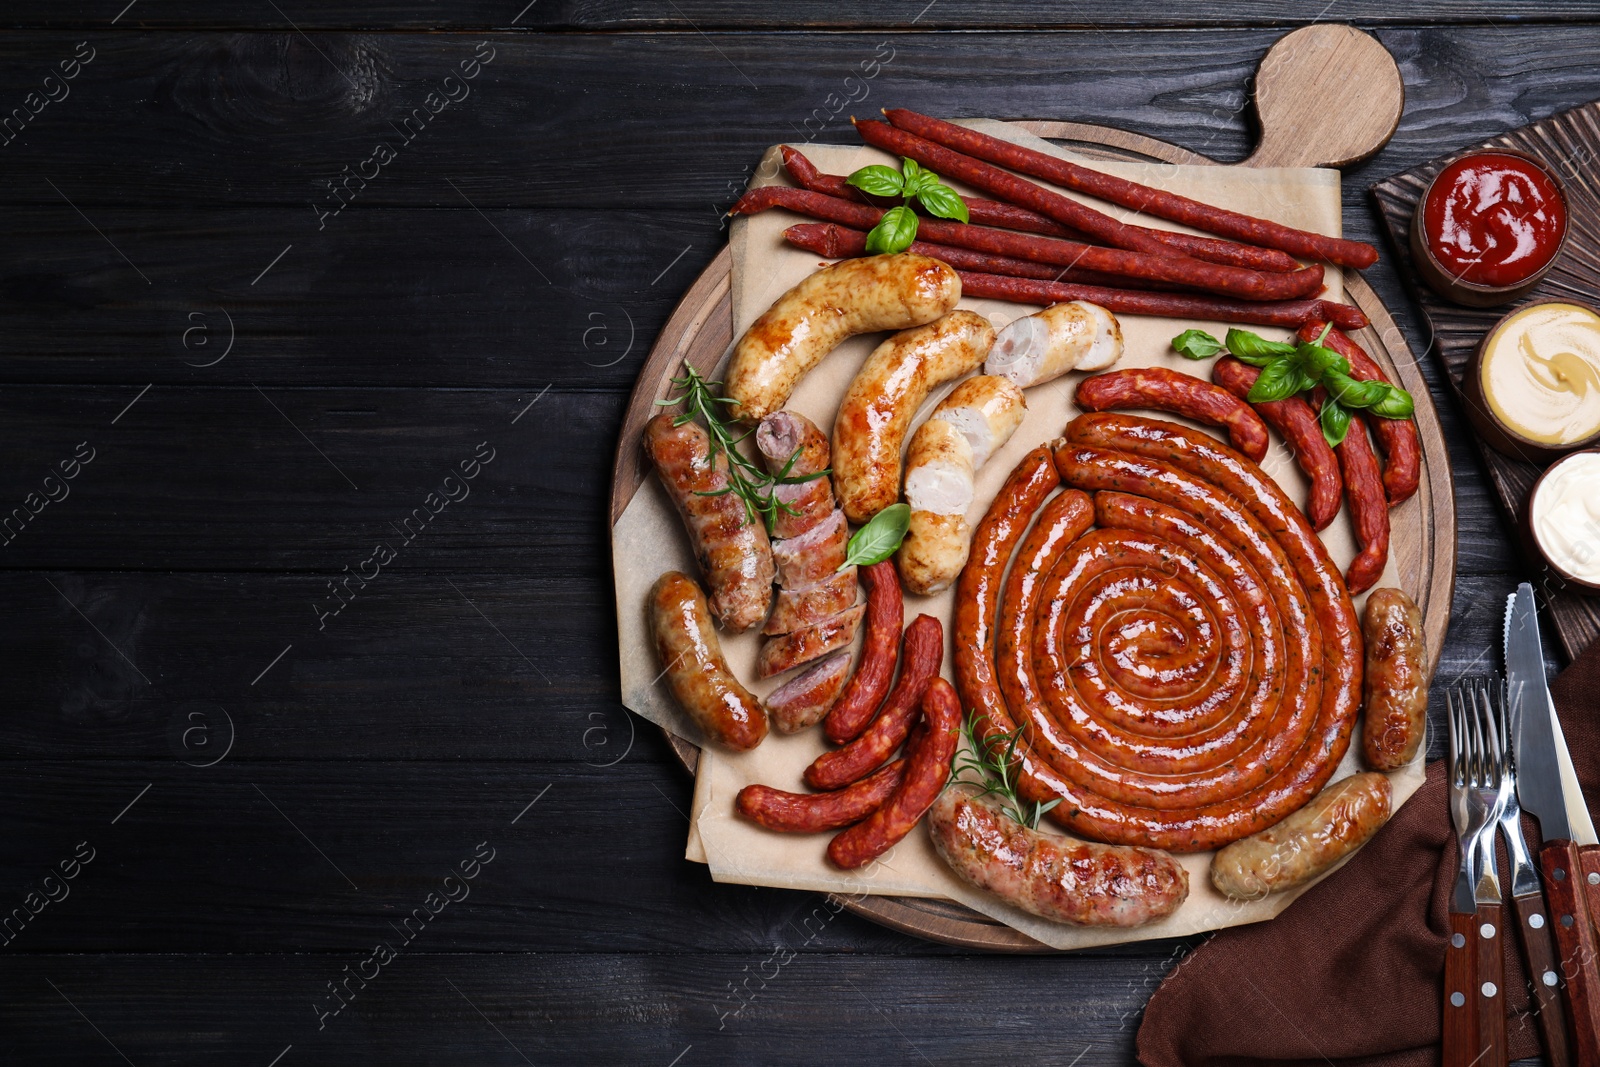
992, 756
746, 479
1288, 369
898, 227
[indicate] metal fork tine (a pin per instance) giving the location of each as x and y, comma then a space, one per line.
1477, 751
1455, 734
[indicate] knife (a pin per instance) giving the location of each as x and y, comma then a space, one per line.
1547, 787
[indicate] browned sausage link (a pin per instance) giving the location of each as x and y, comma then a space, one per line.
1182, 394
1162, 265
1011, 217
734, 553
1127, 301
1334, 824
864, 692
1402, 451
927, 770
1294, 419
696, 672
840, 242
1133, 195
921, 654
810, 813
1369, 511
1397, 680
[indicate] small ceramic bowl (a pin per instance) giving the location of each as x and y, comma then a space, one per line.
1501, 437
1473, 294
1559, 577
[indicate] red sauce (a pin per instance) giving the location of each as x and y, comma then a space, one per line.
1494, 219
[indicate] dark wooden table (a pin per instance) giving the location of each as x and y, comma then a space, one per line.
314, 653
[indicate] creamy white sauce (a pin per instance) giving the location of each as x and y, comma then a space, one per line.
1566, 516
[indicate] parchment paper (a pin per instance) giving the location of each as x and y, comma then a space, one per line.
649, 539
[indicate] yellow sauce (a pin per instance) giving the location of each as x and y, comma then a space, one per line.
1541, 373
1566, 516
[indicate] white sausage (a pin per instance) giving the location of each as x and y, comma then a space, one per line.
1039, 348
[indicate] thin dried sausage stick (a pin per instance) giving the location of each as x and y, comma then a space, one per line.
840, 242
1130, 194
1369, 511
927, 770
1181, 394
1011, 217
1162, 265
922, 651
1297, 423
864, 692
1291, 313
810, 813
1402, 452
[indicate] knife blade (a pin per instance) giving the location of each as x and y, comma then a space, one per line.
1544, 773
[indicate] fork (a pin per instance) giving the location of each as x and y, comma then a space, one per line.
1527, 895
1486, 766
1472, 1000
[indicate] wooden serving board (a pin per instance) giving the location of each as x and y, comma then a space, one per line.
1289, 93
1569, 143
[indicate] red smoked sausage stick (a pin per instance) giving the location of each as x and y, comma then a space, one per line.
1011, 217
864, 691
922, 652
809, 813
1289, 313
1369, 512
1182, 394
840, 242
1131, 194
1294, 419
927, 770
1402, 452
1164, 265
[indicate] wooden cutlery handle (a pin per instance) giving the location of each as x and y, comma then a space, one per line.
1461, 1048
1575, 941
1491, 991
1539, 955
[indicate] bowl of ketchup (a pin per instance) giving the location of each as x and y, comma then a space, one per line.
1488, 227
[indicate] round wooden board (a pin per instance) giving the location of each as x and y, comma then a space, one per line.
1424, 538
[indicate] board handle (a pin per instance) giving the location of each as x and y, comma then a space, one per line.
1327, 95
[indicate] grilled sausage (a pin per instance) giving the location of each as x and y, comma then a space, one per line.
810, 813
814, 556
1402, 450
862, 694
1334, 824
1369, 510
870, 429
795, 609
793, 448
1297, 423
800, 647
696, 672
836, 302
1397, 680
1075, 335
734, 553
1051, 876
1182, 394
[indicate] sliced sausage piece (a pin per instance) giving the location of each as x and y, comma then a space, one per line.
803, 700
1054, 877
734, 553
987, 409
1075, 335
1334, 824
1396, 681
797, 649
795, 609
815, 555
871, 426
793, 447
695, 670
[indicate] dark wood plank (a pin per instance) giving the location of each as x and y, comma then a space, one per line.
673, 119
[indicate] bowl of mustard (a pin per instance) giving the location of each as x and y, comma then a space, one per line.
1532, 390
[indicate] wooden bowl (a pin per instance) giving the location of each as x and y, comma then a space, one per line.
1557, 576
1473, 294
1495, 432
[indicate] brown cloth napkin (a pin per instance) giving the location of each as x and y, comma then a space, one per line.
1352, 972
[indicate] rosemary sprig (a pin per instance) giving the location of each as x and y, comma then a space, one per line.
992, 756
746, 479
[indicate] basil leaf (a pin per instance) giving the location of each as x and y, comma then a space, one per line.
894, 232
917, 178
941, 200
1351, 393
1318, 360
879, 539
1196, 344
877, 180
1304, 380
1279, 380
1335, 420
1254, 349
1397, 404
